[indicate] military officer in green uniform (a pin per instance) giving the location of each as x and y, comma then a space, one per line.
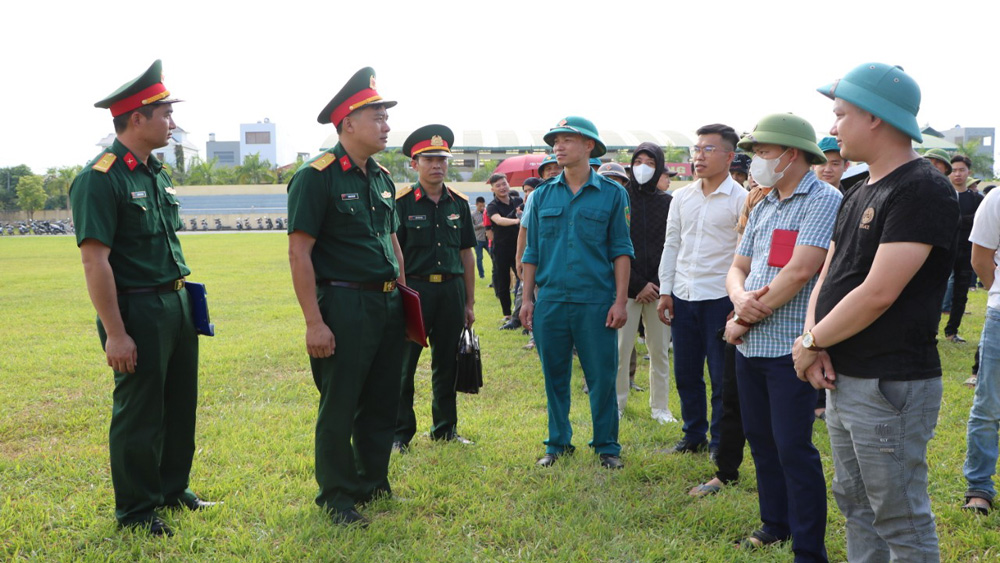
126, 214
437, 238
346, 261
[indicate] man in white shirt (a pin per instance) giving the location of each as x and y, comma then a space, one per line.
700, 240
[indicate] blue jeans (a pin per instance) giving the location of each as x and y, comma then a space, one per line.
695, 329
480, 245
984, 417
879, 431
777, 411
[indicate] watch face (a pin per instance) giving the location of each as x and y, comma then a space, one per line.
807, 340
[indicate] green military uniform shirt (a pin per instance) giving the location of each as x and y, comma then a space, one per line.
131, 208
350, 215
432, 234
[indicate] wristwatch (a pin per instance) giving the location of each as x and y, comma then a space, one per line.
809, 343
741, 322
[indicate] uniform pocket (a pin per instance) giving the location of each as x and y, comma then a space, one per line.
350, 218
419, 230
140, 217
550, 220
592, 222
172, 211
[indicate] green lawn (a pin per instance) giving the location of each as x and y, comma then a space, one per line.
255, 444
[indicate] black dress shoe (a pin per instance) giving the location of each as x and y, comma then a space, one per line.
685, 447
547, 460
611, 461
155, 526
400, 447
191, 502
348, 517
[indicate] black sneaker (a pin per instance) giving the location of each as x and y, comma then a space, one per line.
685, 447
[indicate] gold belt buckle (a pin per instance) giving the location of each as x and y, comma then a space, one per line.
434, 278
388, 286
178, 285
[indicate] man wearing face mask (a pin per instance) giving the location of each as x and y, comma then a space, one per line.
697, 252
650, 207
773, 271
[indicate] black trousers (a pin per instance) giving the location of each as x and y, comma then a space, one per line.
731, 438
503, 264
960, 294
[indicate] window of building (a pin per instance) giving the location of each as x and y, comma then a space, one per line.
226, 157
258, 137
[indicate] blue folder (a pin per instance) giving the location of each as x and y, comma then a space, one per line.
199, 308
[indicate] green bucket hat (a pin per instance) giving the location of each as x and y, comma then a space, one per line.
786, 130
579, 126
829, 144
940, 155
884, 91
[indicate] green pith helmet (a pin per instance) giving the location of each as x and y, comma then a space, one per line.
144, 90
549, 159
579, 126
357, 93
786, 130
884, 91
940, 155
429, 140
829, 144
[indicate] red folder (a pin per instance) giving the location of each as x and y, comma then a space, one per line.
782, 246
414, 315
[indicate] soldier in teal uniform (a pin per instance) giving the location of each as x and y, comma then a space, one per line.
346, 261
126, 216
437, 238
579, 252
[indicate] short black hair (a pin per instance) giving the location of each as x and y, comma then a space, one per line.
480, 199
962, 158
121, 122
727, 133
496, 177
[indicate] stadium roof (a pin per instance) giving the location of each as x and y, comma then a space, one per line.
524, 139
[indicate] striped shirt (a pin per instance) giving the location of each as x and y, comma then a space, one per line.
811, 210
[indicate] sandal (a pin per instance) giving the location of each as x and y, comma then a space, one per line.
704, 490
971, 382
763, 538
978, 509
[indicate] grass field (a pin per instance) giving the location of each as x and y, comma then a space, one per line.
257, 411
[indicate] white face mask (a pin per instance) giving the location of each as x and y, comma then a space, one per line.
643, 173
763, 170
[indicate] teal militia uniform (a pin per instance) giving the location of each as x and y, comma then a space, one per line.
131, 208
432, 236
352, 217
573, 241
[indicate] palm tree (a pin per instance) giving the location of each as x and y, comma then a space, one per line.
981, 163
204, 173
254, 170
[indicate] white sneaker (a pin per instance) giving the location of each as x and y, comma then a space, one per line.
663, 416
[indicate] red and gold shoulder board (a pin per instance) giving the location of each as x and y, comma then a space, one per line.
403, 192
105, 163
458, 194
322, 162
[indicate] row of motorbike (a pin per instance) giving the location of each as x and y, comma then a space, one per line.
60, 227
263, 224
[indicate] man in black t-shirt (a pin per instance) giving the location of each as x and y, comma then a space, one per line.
968, 203
504, 214
873, 316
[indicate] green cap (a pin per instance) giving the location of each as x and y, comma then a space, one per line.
429, 140
579, 126
147, 89
940, 155
786, 130
549, 159
884, 91
829, 144
356, 94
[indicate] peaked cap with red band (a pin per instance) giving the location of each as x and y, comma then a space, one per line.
429, 140
145, 90
357, 93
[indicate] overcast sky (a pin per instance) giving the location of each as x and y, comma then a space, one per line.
477, 64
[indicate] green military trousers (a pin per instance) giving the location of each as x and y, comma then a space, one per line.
443, 306
153, 414
359, 393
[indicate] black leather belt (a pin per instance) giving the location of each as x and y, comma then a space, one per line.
175, 285
384, 287
434, 278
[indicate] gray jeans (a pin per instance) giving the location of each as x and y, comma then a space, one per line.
879, 431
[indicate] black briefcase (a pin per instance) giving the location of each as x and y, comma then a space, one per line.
469, 373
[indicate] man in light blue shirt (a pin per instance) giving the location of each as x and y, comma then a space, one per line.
773, 272
579, 252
